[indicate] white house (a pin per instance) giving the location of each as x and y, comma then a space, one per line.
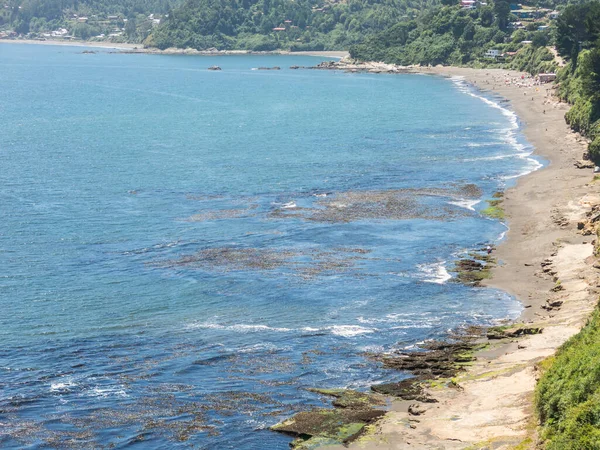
492, 53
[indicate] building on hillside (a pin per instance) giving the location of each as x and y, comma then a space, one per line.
546, 77
523, 13
492, 53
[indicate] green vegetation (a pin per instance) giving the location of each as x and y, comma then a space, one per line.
451, 34
578, 41
278, 24
123, 20
568, 394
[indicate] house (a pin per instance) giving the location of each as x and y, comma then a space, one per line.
523, 14
546, 77
492, 53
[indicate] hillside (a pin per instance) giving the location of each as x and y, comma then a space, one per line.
279, 24
119, 20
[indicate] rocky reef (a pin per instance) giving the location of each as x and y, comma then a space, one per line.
352, 413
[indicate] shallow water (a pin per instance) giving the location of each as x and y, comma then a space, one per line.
184, 251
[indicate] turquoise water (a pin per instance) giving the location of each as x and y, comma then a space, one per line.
183, 251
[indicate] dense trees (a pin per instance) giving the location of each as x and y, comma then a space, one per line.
301, 24
44, 15
577, 39
453, 35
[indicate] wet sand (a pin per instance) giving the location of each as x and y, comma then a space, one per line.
542, 259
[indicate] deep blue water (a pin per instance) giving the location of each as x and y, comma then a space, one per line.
183, 252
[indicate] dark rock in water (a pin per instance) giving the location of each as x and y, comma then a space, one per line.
440, 359
347, 398
472, 272
214, 68
409, 389
320, 426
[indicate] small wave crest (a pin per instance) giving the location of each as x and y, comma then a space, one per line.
467, 204
435, 272
350, 330
337, 330
509, 134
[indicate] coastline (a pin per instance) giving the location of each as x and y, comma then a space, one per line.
543, 260
139, 48
494, 402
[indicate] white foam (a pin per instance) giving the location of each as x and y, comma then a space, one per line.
240, 328
350, 330
509, 134
467, 204
435, 273
65, 385
110, 391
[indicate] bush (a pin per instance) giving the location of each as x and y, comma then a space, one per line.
594, 150
568, 394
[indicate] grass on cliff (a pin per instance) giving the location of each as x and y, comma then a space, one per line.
568, 394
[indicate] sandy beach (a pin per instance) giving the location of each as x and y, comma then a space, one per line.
139, 48
542, 261
107, 45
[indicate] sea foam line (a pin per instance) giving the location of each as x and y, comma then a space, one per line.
511, 137
337, 330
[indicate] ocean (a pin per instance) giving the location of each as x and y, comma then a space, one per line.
184, 252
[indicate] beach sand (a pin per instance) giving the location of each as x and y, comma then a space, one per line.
493, 407
139, 48
107, 45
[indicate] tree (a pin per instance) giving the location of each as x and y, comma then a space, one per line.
486, 16
131, 27
539, 39
502, 10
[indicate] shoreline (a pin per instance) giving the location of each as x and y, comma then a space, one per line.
541, 253
139, 48
542, 261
